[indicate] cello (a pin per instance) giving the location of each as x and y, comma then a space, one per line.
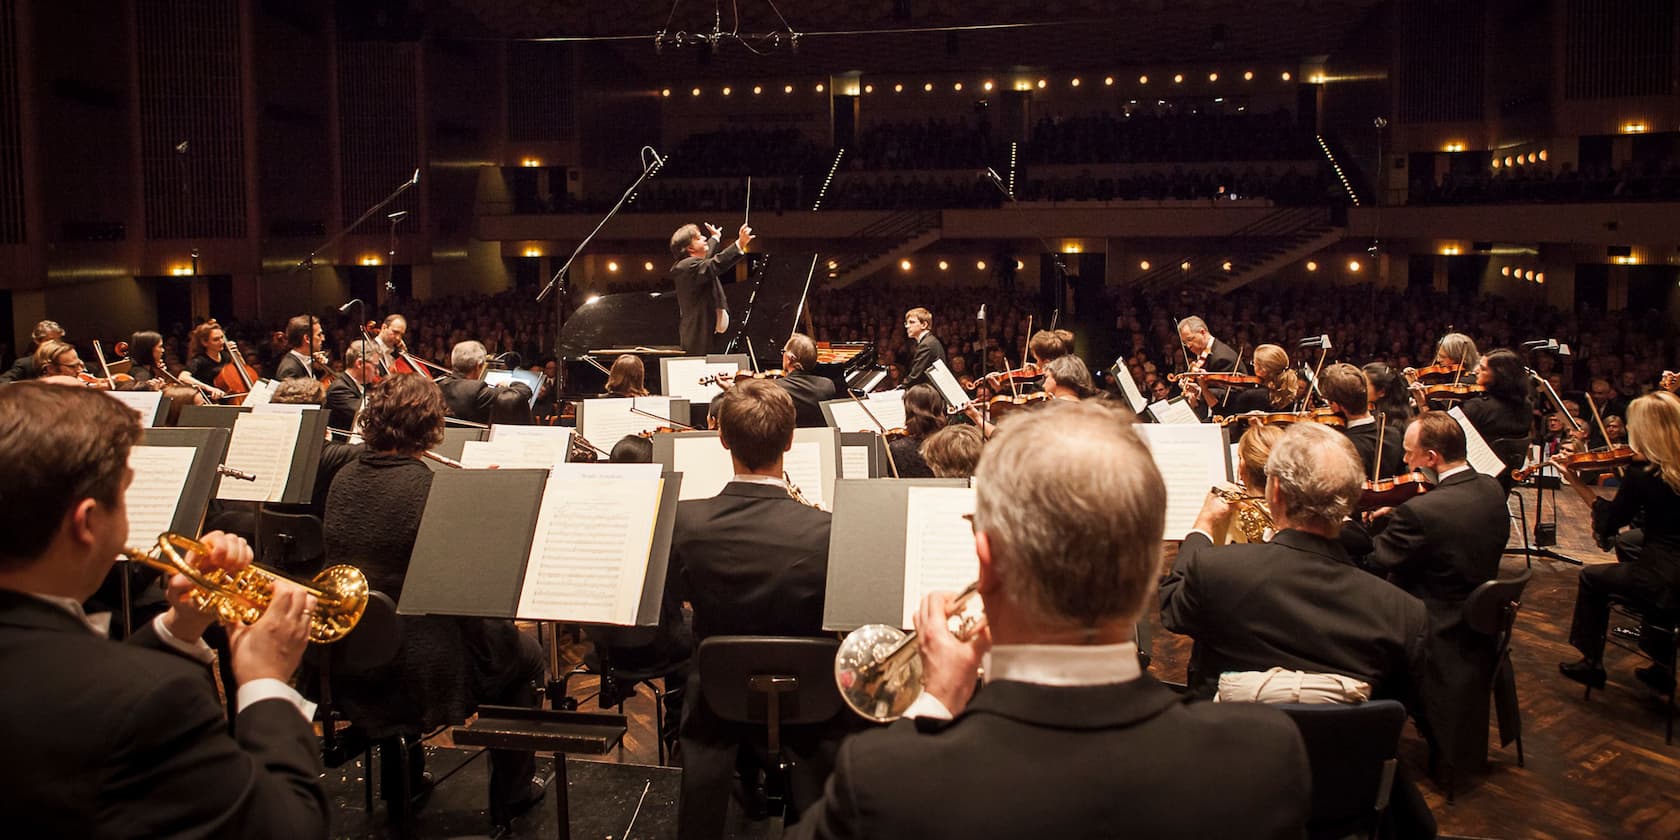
235, 378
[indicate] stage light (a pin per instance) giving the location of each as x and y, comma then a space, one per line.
1143, 80
533, 252
980, 265
957, 87
1178, 78
695, 92
1286, 76
758, 89
1248, 75
1213, 77
1542, 155
1353, 266
819, 88
1532, 157
665, 92
647, 266
1108, 81
1540, 277
1225, 266
591, 299
1528, 275
987, 86
1143, 265
928, 88
1507, 160
944, 266
612, 265
1312, 265
1019, 265
727, 91
1496, 163
787, 89
1042, 83
903, 265
1074, 81
1505, 270
868, 88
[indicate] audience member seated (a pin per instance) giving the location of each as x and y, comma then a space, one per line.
1068, 522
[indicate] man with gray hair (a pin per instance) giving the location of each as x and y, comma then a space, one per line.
1067, 530
470, 398
699, 264
1297, 602
25, 369
1202, 348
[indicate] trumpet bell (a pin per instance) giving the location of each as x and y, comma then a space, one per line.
875, 677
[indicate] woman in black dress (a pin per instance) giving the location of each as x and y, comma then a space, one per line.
207, 353
924, 414
145, 356
446, 665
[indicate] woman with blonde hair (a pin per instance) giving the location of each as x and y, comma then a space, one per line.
626, 377
1278, 384
1647, 573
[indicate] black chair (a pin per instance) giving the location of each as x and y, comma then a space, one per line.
774, 682
1652, 621
1491, 609
290, 542
1353, 751
615, 649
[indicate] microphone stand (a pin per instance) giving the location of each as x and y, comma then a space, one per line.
1056, 260
308, 261
648, 169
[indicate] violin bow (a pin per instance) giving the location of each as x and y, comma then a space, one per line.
1026, 344
1376, 460
1599, 420
1241, 349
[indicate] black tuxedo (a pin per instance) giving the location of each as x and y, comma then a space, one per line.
291, 367
751, 561
22, 370
808, 391
1296, 602
1221, 358
700, 295
475, 401
1364, 439
928, 349
114, 739
1440, 546
344, 399
1131, 759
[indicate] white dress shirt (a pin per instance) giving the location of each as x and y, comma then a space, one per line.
1062, 666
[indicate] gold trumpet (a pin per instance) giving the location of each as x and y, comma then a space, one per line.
878, 667
1253, 517
341, 592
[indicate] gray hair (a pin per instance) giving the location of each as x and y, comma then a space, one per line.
682, 239
1074, 508
466, 358
356, 352
298, 391
1071, 372
1318, 473
1193, 323
45, 330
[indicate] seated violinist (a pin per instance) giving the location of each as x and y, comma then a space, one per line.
1275, 392
60, 364
1455, 358
924, 414
1349, 394
627, 377
1067, 378
809, 390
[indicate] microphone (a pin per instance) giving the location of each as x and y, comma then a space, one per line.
1549, 345
348, 304
982, 315
657, 160
397, 216
1317, 341
416, 179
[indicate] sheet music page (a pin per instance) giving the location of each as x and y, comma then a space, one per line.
262, 443
589, 559
854, 462
1482, 457
514, 453
947, 384
683, 378
1173, 411
850, 417
704, 464
803, 465
284, 408
145, 402
260, 392
1129, 386
160, 474
1192, 462
545, 438
888, 407
938, 544
605, 421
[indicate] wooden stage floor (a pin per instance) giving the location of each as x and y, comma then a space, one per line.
1594, 768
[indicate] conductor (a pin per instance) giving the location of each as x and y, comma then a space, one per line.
699, 294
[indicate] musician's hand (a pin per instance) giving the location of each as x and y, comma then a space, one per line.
1215, 515
950, 666
1371, 516
712, 232
1670, 381
1420, 397
273, 646
743, 237
185, 621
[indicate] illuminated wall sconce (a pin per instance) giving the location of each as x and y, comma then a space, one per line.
904, 265
181, 270
647, 266
533, 252
1184, 266
1354, 266
1143, 80
1178, 78
612, 265
1225, 266
979, 265
530, 162
371, 259
1312, 265
944, 266
1143, 265
1633, 128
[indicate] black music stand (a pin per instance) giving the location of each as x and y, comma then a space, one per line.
1543, 484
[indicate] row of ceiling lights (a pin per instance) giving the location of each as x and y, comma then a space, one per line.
988, 85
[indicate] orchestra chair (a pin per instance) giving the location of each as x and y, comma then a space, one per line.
1651, 621
1353, 751
1491, 609
773, 682
620, 680
290, 542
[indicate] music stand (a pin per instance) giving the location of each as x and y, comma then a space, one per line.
1542, 485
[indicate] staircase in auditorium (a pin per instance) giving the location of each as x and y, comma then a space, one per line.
1255, 251
883, 243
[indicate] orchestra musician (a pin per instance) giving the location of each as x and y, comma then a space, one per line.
24, 368
918, 325
1277, 392
1067, 378
924, 414
59, 363
348, 388
954, 451
303, 342
1205, 351
207, 355
1033, 750
808, 390
130, 739
699, 264
1503, 413
1349, 394
1388, 395
470, 398
389, 341
146, 365
626, 377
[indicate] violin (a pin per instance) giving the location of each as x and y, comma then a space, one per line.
235, 378
1451, 391
1027, 373
1434, 371
1223, 378
111, 380
1392, 491
896, 433
1004, 403
742, 374
1322, 416
647, 434
1596, 460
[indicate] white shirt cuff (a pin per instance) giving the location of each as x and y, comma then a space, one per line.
928, 706
196, 649
269, 688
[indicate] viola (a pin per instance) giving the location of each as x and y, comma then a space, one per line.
1026, 373
1596, 460
1392, 491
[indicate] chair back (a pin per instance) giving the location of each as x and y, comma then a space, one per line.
1353, 751
1492, 606
290, 542
769, 679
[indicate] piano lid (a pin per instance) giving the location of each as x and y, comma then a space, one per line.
623, 322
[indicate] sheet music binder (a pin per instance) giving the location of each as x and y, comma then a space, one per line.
306, 458
877, 452
454, 443
211, 447
866, 550
470, 555
210, 416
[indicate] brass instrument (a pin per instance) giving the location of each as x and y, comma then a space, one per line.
878, 667
793, 492
341, 592
1253, 517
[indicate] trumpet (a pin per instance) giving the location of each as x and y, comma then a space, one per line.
1254, 518
878, 667
341, 592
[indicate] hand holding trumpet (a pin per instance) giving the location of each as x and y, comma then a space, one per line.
949, 664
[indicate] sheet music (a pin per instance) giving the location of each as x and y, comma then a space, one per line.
262, 443
682, 378
160, 474
606, 421
947, 384
803, 465
1129, 386
1482, 457
145, 402
589, 559
849, 416
854, 462
1192, 461
284, 408
704, 464
888, 407
540, 439
1173, 411
514, 453
261, 391
938, 544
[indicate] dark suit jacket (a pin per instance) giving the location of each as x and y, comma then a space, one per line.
1364, 439
475, 401
22, 370
1221, 357
1296, 602
927, 350
700, 295
125, 741
344, 399
808, 391
1028, 760
289, 367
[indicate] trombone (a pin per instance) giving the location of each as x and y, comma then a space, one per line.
341, 592
878, 667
